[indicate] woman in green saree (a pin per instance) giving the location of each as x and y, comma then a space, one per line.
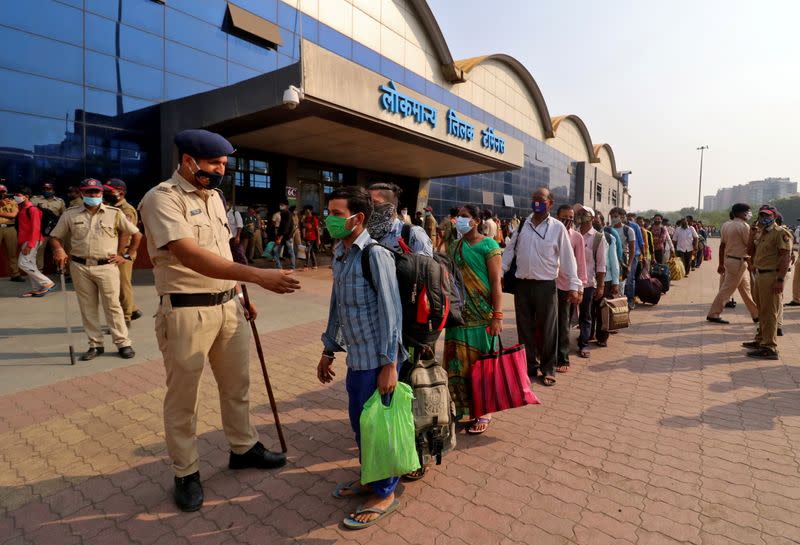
478, 259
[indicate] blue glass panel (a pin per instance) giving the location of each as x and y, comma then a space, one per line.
366, 57
104, 103
40, 134
141, 47
195, 64
287, 17
47, 18
284, 61
178, 87
434, 91
212, 11
392, 70
335, 41
105, 8
134, 79
100, 34
291, 43
37, 95
196, 33
237, 73
415, 82
145, 14
23, 51
310, 29
252, 55
101, 71
268, 9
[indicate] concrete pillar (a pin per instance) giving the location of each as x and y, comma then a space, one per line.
422, 193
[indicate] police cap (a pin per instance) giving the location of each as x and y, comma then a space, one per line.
115, 183
91, 183
3, 189
202, 144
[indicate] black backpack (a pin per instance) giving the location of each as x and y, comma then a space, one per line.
49, 220
430, 292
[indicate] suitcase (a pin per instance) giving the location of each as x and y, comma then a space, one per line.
661, 272
648, 290
614, 314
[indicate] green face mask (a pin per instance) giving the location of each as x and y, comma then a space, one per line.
336, 228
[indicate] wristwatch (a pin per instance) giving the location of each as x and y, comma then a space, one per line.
127, 256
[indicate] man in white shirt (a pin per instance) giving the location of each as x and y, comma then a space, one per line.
795, 302
489, 225
686, 239
236, 224
541, 248
595, 252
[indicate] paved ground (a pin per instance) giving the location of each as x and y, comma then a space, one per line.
670, 435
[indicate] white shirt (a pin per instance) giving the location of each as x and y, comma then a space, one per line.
797, 237
489, 228
234, 222
593, 267
684, 239
541, 251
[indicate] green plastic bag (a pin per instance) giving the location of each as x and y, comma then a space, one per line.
388, 447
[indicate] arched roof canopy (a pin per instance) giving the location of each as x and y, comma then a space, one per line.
607, 147
467, 65
450, 71
584, 132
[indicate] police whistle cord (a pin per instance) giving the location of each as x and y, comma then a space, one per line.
264, 372
66, 316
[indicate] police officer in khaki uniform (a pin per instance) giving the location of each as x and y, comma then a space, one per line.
770, 246
95, 232
201, 316
56, 205
8, 232
114, 194
74, 197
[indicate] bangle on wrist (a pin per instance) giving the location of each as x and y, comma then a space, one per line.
329, 357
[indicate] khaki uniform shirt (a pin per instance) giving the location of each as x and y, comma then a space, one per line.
174, 210
130, 214
771, 241
93, 236
8, 206
735, 234
55, 204
77, 201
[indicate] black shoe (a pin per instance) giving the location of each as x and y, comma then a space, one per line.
136, 314
257, 457
730, 304
92, 353
763, 353
780, 332
751, 344
189, 492
17, 279
126, 352
789, 304
717, 320
755, 320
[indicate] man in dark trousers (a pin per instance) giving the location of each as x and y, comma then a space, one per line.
284, 237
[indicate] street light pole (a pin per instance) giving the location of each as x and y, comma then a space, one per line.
701, 149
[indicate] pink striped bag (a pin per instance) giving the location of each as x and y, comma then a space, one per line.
500, 381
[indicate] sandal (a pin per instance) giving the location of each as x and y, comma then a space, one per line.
602, 344
352, 524
548, 381
583, 353
482, 421
415, 475
563, 368
354, 486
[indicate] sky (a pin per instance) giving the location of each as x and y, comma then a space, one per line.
656, 80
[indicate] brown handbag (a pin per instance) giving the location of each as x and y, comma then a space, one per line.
614, 314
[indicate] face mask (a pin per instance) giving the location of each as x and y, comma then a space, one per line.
92, 201
111, 198
766, 221
539, 207
462, 225
214, 179
18, 199
336, 226
578, 221
748, 216
381, 220
48, 194
615, 220
567, 222
597, 226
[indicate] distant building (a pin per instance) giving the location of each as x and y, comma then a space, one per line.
754, 193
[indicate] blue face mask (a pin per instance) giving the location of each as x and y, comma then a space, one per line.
48, 194
463, 226
92, 201
766, 221
539, 207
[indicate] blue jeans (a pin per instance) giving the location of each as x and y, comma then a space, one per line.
277, 250
630, 283
360, 387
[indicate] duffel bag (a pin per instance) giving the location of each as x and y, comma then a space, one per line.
648, 290
661, 272
676, 270
614, 314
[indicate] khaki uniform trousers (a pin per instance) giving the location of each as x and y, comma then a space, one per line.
187, 338
99, 285
126, 300
8, 240
769, 306
736, 277
796, 282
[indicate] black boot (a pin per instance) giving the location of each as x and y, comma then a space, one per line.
189, 492
257, 457
92, 353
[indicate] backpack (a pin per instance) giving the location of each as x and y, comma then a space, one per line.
430, 292
48, 222
434, 411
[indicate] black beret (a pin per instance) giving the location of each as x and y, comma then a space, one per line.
203, 144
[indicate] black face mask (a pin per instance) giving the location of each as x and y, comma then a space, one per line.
111, 198
214, 180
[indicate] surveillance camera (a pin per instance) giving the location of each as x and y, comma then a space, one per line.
292, 97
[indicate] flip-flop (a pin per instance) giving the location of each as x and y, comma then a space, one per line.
352, 524
480, 420
415, 475
562, 368
341, 487
549, 381
583, 353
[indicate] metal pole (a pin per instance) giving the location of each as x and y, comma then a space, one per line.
700, 184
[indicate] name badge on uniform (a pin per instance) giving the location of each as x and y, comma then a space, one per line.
195, 212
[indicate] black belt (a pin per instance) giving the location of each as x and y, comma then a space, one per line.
83, 260
762, 271
201, 299
734, 257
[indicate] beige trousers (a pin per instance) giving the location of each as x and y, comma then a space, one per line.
796, 282
187, 338
8, 240
126, 300
769, 307
95, 286
736, 277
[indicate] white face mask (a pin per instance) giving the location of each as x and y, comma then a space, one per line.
18, 199
748, 216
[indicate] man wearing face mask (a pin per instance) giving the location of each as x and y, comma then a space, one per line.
74, 197
566, 215
543, 250
8, 232
733, 256
52, 208
385, 227
114, 194
98, 235
29, 242
770, 246
201, 315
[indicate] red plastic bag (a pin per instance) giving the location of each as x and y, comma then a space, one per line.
500, 381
